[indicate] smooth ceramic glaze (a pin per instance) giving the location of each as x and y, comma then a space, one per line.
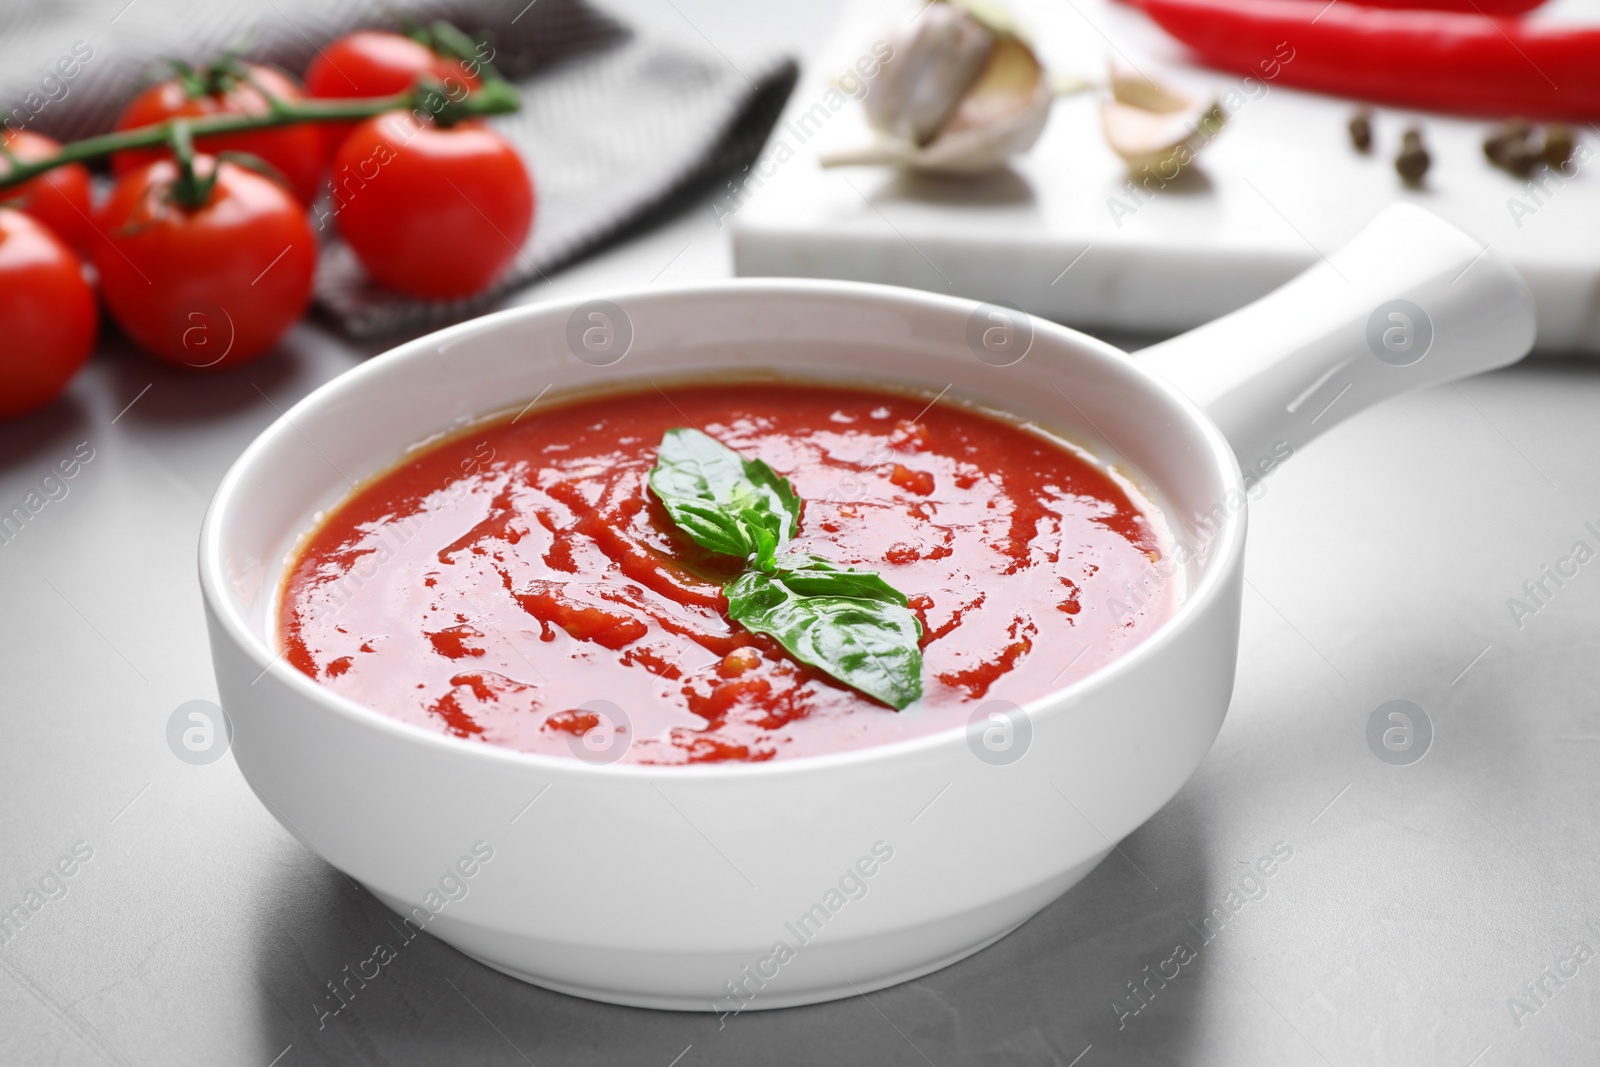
673, 887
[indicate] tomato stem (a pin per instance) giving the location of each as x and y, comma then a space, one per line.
190, 190
445, 39
492, 98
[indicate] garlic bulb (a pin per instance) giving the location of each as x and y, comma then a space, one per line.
957, 95
1155, 127
933, 62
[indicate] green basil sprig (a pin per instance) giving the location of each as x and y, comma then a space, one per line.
724, 502
851, 624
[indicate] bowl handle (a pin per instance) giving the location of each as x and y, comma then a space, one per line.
1411, 301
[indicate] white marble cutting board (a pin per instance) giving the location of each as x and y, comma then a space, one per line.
1058, 234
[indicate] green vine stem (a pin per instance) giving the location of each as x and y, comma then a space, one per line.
190, 190
493, 97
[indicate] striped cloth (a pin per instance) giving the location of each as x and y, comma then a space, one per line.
616, 128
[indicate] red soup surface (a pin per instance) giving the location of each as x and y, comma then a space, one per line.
518, 584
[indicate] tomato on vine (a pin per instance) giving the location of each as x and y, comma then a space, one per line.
48, 311
379, 63
429, 210
204, 263
58, 198
230, 87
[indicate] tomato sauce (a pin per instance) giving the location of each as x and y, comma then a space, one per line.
518, 584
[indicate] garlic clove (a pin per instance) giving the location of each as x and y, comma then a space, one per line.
934, 61
1129, 86
1154, 126
1000, 110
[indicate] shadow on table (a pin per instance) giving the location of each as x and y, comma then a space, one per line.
1040, 995
1556, 368
50, 433
153, 393
1003, 187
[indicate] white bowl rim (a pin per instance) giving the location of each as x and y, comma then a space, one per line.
1227, 545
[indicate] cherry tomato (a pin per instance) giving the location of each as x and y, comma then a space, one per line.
47, 311
58, 198
429, 211
207, 287
298, 152
378, 63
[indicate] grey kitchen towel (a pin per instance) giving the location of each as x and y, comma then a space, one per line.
616, 128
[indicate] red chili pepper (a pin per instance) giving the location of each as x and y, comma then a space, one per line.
1471, 7
1445, 61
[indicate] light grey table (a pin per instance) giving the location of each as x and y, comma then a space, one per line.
1421, 909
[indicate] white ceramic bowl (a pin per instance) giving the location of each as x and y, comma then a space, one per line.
673, 887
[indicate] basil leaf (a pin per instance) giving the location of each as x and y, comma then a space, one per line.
814, 576
868, 641
851, 624
724, 502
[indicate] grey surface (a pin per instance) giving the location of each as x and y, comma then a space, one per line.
1418, 899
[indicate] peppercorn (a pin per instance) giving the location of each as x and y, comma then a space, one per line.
1412, 162
1557, 145
1361, 131
1504, 140
1520, 159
